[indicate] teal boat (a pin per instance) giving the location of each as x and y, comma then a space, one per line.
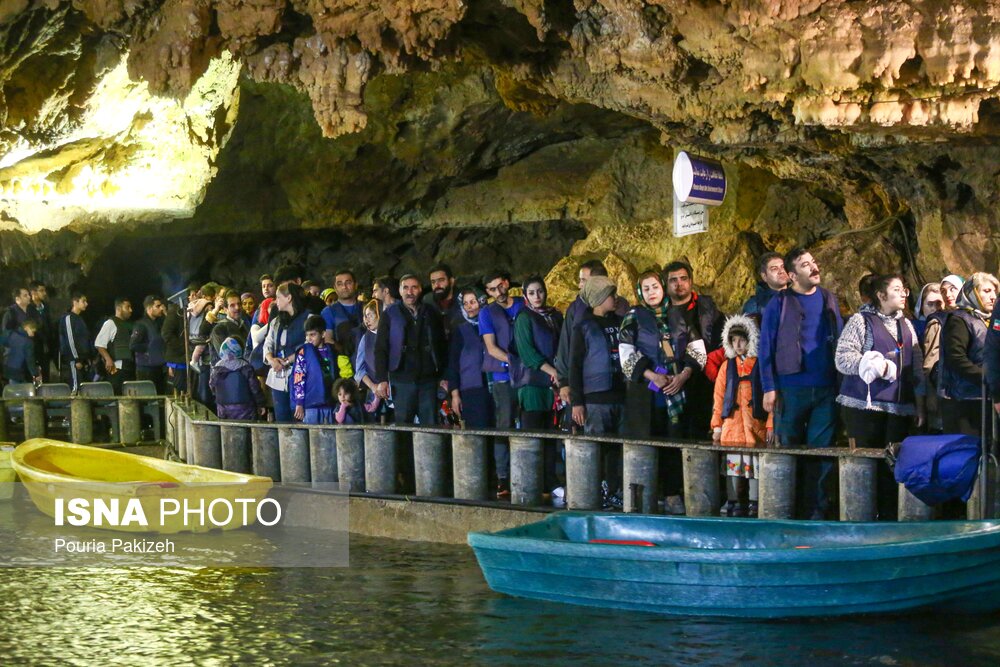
747, 568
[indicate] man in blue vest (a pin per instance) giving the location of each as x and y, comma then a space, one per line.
798, 339
343, 317
148, 346
496, 326
112, 344
410, 355
576, 310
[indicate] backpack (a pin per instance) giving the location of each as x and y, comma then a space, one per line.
938, 468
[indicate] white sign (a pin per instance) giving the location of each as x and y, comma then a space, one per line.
689, 218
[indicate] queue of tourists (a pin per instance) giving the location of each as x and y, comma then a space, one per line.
662, 363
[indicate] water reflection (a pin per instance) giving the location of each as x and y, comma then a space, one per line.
409, 603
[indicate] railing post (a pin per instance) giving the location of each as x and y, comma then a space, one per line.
130, 420
351, 460
266, 459
429, 464
181, 433
189, 436
81, 421
293, 449
323, 455
237, 455
380, 461
527, 460
208, 446
639, 466
468, 454
857, 488
34, 418
777, 486
583, 474
912, 508
701, 482
4, 422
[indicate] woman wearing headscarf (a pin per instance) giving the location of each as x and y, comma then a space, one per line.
929, 302
962, 341
533, 372
237, 392
656, 371
470, 394
930, 344
364, 364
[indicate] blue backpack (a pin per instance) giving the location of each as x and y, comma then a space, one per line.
938, 468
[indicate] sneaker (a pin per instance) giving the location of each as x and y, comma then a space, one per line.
674, 505
559, 497
615, 502
503, 490
752, 509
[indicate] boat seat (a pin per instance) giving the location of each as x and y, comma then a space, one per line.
56, 412
14, 390
150, 409
108, 408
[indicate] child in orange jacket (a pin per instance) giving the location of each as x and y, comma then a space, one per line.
738, 415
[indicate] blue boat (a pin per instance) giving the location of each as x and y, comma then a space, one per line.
747, 568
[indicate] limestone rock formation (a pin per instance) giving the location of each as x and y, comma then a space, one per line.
868, 131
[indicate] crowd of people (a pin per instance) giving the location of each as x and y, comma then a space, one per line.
787, 371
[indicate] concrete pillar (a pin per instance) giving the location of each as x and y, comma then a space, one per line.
266, 460
130, 420
527, 460
468, 454
777, 486
701, 482
323, 455
4, 422
583, 474
208, 446
912, 508
351, 460
858, 489
293, 449
639, 466
81, 421
180, 433
380, 461
34, 418
429, 463
237, 455
188, 438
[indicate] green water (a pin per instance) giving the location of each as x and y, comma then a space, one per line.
409, 603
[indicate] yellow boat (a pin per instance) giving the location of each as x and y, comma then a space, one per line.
90, 486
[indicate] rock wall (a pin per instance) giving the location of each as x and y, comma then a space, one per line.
511, 131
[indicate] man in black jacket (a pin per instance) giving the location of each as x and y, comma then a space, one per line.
46, 339
148, 345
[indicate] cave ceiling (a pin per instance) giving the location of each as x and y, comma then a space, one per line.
868, 129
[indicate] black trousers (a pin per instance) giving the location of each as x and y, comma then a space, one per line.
962, 416
875, 430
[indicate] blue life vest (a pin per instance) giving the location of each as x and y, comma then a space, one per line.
788, 347
938, 468
733, 379
648, 340
599, 368
316, 395
953, 385
898, 391
472, 350
232, 389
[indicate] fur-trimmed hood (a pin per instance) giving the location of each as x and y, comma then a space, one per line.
748, 325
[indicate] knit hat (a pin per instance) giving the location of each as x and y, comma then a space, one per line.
954, 280
325, 294
230, 349
596, 290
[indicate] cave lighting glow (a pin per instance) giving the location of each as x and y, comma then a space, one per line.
132, 156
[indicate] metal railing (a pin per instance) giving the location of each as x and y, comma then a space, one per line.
125, 414
363, 459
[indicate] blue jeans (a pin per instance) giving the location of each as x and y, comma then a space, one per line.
283, 411
807, 417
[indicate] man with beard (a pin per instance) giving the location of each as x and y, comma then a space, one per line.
496, 326
442, 296
148, 345
343, 317
113, 345
410, 354
798, 340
